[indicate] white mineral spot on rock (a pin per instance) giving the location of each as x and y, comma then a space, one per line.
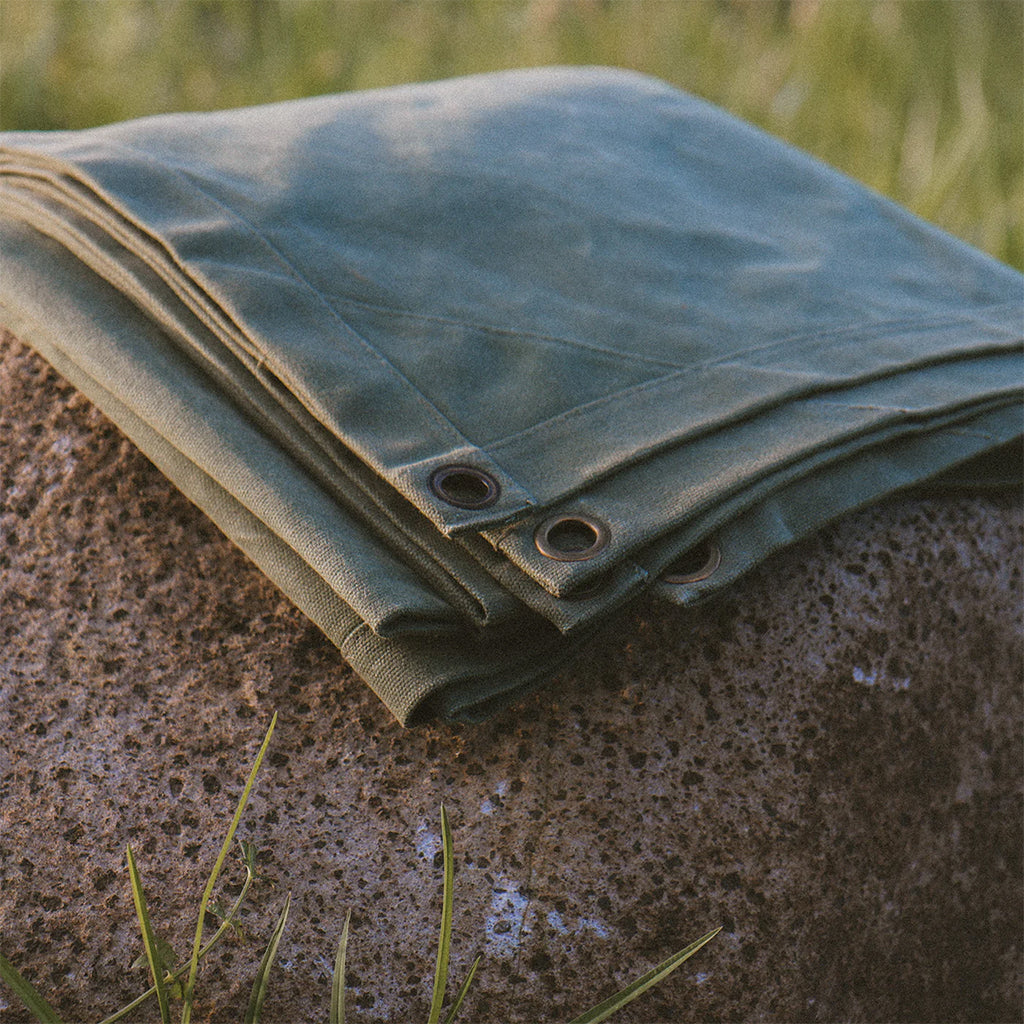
860, 676
555, 921
427, 843
61, 445
592, 924
62, 465
487, 807
876, 678
701, 977
325, 966
504, 925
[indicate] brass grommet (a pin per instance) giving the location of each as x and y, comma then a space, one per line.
696, 564
571, 538
465, 486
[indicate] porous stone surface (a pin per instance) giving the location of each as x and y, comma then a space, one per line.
826, 762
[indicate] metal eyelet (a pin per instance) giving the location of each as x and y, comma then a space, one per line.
696, 564
465, 486
571, 538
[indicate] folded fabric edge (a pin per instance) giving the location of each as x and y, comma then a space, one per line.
978, 453
418, 678
269, 553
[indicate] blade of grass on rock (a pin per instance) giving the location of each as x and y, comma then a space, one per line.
604, 1010
338, 984
259, 986
25, 991
445, 938
229, 922
462, 991
149, 939
197, 944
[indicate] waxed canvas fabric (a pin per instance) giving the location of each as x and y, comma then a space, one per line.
465, 366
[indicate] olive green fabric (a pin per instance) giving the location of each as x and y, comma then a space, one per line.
465, 366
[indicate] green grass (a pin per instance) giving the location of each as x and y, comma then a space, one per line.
922, 100
179, 983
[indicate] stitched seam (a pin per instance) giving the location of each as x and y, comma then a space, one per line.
211, 368
508, 332
992, 399
588, 408
189, 178
359, 627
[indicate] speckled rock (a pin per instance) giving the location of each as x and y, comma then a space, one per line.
826, 762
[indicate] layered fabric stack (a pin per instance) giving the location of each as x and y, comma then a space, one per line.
466, 366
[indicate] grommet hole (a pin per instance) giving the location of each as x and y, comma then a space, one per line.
465, 486
571, 538
696, 564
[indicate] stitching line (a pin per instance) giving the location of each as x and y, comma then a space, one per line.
188, 178
508, 332
874, 331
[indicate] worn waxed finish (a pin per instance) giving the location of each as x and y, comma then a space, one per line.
618, 304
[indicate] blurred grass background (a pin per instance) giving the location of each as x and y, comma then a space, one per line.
922, 100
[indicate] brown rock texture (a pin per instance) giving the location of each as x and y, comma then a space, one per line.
826, 761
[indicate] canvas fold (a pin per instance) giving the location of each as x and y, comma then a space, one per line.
467, 366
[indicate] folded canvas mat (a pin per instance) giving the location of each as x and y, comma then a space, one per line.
465, 366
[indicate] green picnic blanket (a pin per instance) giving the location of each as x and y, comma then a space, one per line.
466, 366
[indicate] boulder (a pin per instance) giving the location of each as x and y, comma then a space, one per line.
825, 761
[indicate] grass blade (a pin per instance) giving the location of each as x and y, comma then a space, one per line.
149, 939
259, 986
462, 991
197, 944
445, 938
248, 854
604, 1010
25, 991
338, 984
